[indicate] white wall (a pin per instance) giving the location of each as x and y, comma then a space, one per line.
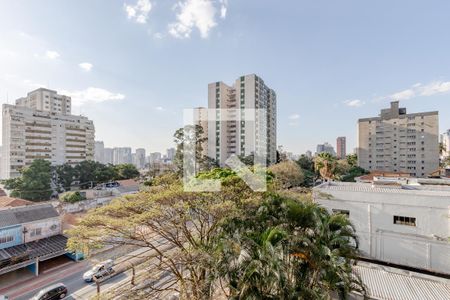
381, 239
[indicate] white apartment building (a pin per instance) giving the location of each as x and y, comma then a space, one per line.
139, 159
40, 126
399, 142
122, 155
108, 156
239, 136
99, 152
398, 221
325, 148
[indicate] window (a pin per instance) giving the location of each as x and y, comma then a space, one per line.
400, 220
6, 239
35, 231
341, 212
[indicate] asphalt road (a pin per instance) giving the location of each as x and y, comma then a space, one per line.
76, 286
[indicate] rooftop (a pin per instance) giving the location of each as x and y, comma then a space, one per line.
387, 187
396, 284
26, 214
6, 202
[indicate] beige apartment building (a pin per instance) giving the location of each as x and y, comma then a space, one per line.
242, 133
399, 142
40, 126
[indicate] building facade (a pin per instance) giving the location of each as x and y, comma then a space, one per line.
341, 147
51, 133
139, 160
99, 152
122, 155
399, 142
445, 140
236, 133
325, 148
404, 223
108, 156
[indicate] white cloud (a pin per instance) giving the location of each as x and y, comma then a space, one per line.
86, 66
223, 8
294, 117
158, 35
198, 14
403, 95
438, 87
160, 108
138, 12
92, 95
52, 54
354, 103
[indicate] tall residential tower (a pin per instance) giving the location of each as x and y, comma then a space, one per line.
399, 142
40, 126
242, 133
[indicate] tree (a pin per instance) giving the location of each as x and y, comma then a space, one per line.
72, 197
126, 171
66, 175
185, 135
188, 222
325, 165
255, 245
288, 173
352, 160
286, 249
34, 182
306, 163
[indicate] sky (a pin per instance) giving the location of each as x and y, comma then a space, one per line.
132, 66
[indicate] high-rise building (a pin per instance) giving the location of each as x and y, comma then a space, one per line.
399, 142
155, 157
325, 148
122, 155
341, 147
201, 119
139, 160
236, 133
171, 154
308, 154
99, 152
445, 140
108, 156
40, 126
46, 100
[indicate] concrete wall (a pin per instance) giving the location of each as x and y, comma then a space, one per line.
423, 246
49, 227
15, 232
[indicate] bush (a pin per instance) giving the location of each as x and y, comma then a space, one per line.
72, 197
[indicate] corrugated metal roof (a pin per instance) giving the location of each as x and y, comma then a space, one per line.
26, 214
387, 285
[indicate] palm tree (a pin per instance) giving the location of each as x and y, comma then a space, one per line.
289, 250
325, 164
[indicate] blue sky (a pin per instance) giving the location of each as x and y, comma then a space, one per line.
133, 66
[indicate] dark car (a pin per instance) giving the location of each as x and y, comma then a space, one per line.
55, 291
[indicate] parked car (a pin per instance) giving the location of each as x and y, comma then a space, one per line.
112, 184
52, 292
99, 270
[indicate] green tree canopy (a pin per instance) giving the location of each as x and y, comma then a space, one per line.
34, 182
244, 244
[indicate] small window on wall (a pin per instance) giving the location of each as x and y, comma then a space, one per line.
401, 220
35, 231
341, 212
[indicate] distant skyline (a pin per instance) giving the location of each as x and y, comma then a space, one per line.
133, 66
